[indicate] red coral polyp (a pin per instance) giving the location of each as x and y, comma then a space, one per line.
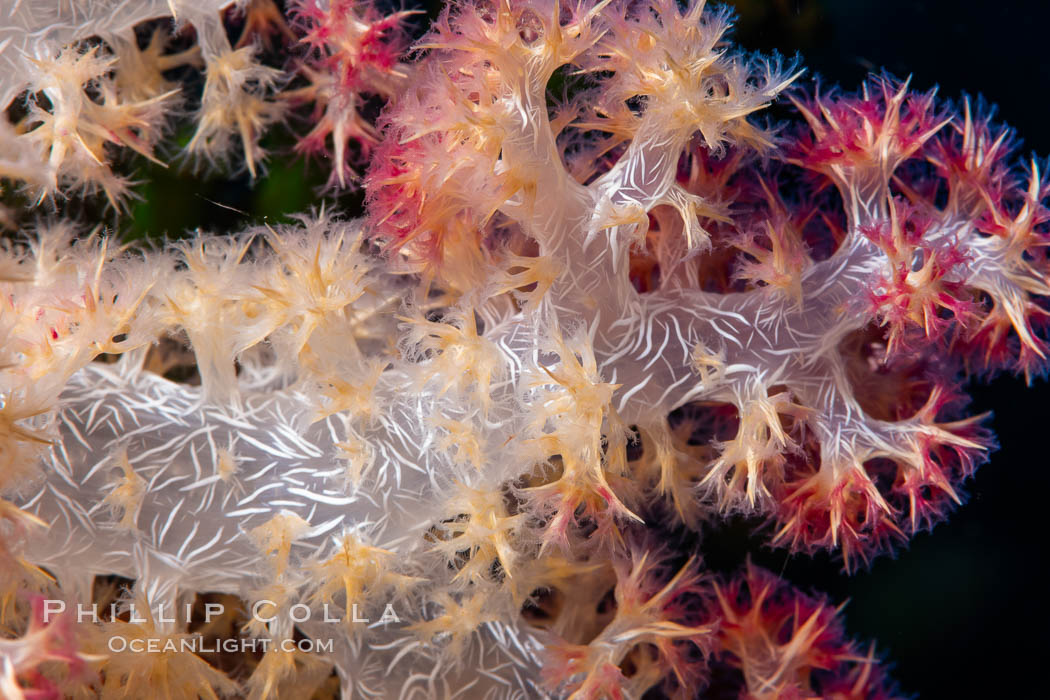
879, 128
355, 54
791, 645
844, 513
921, 294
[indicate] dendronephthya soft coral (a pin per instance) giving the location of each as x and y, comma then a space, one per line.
446, 442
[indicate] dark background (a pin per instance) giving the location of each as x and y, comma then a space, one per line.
963, 612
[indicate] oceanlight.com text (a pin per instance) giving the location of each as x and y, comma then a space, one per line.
197, 645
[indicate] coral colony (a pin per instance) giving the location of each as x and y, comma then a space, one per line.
596, 298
